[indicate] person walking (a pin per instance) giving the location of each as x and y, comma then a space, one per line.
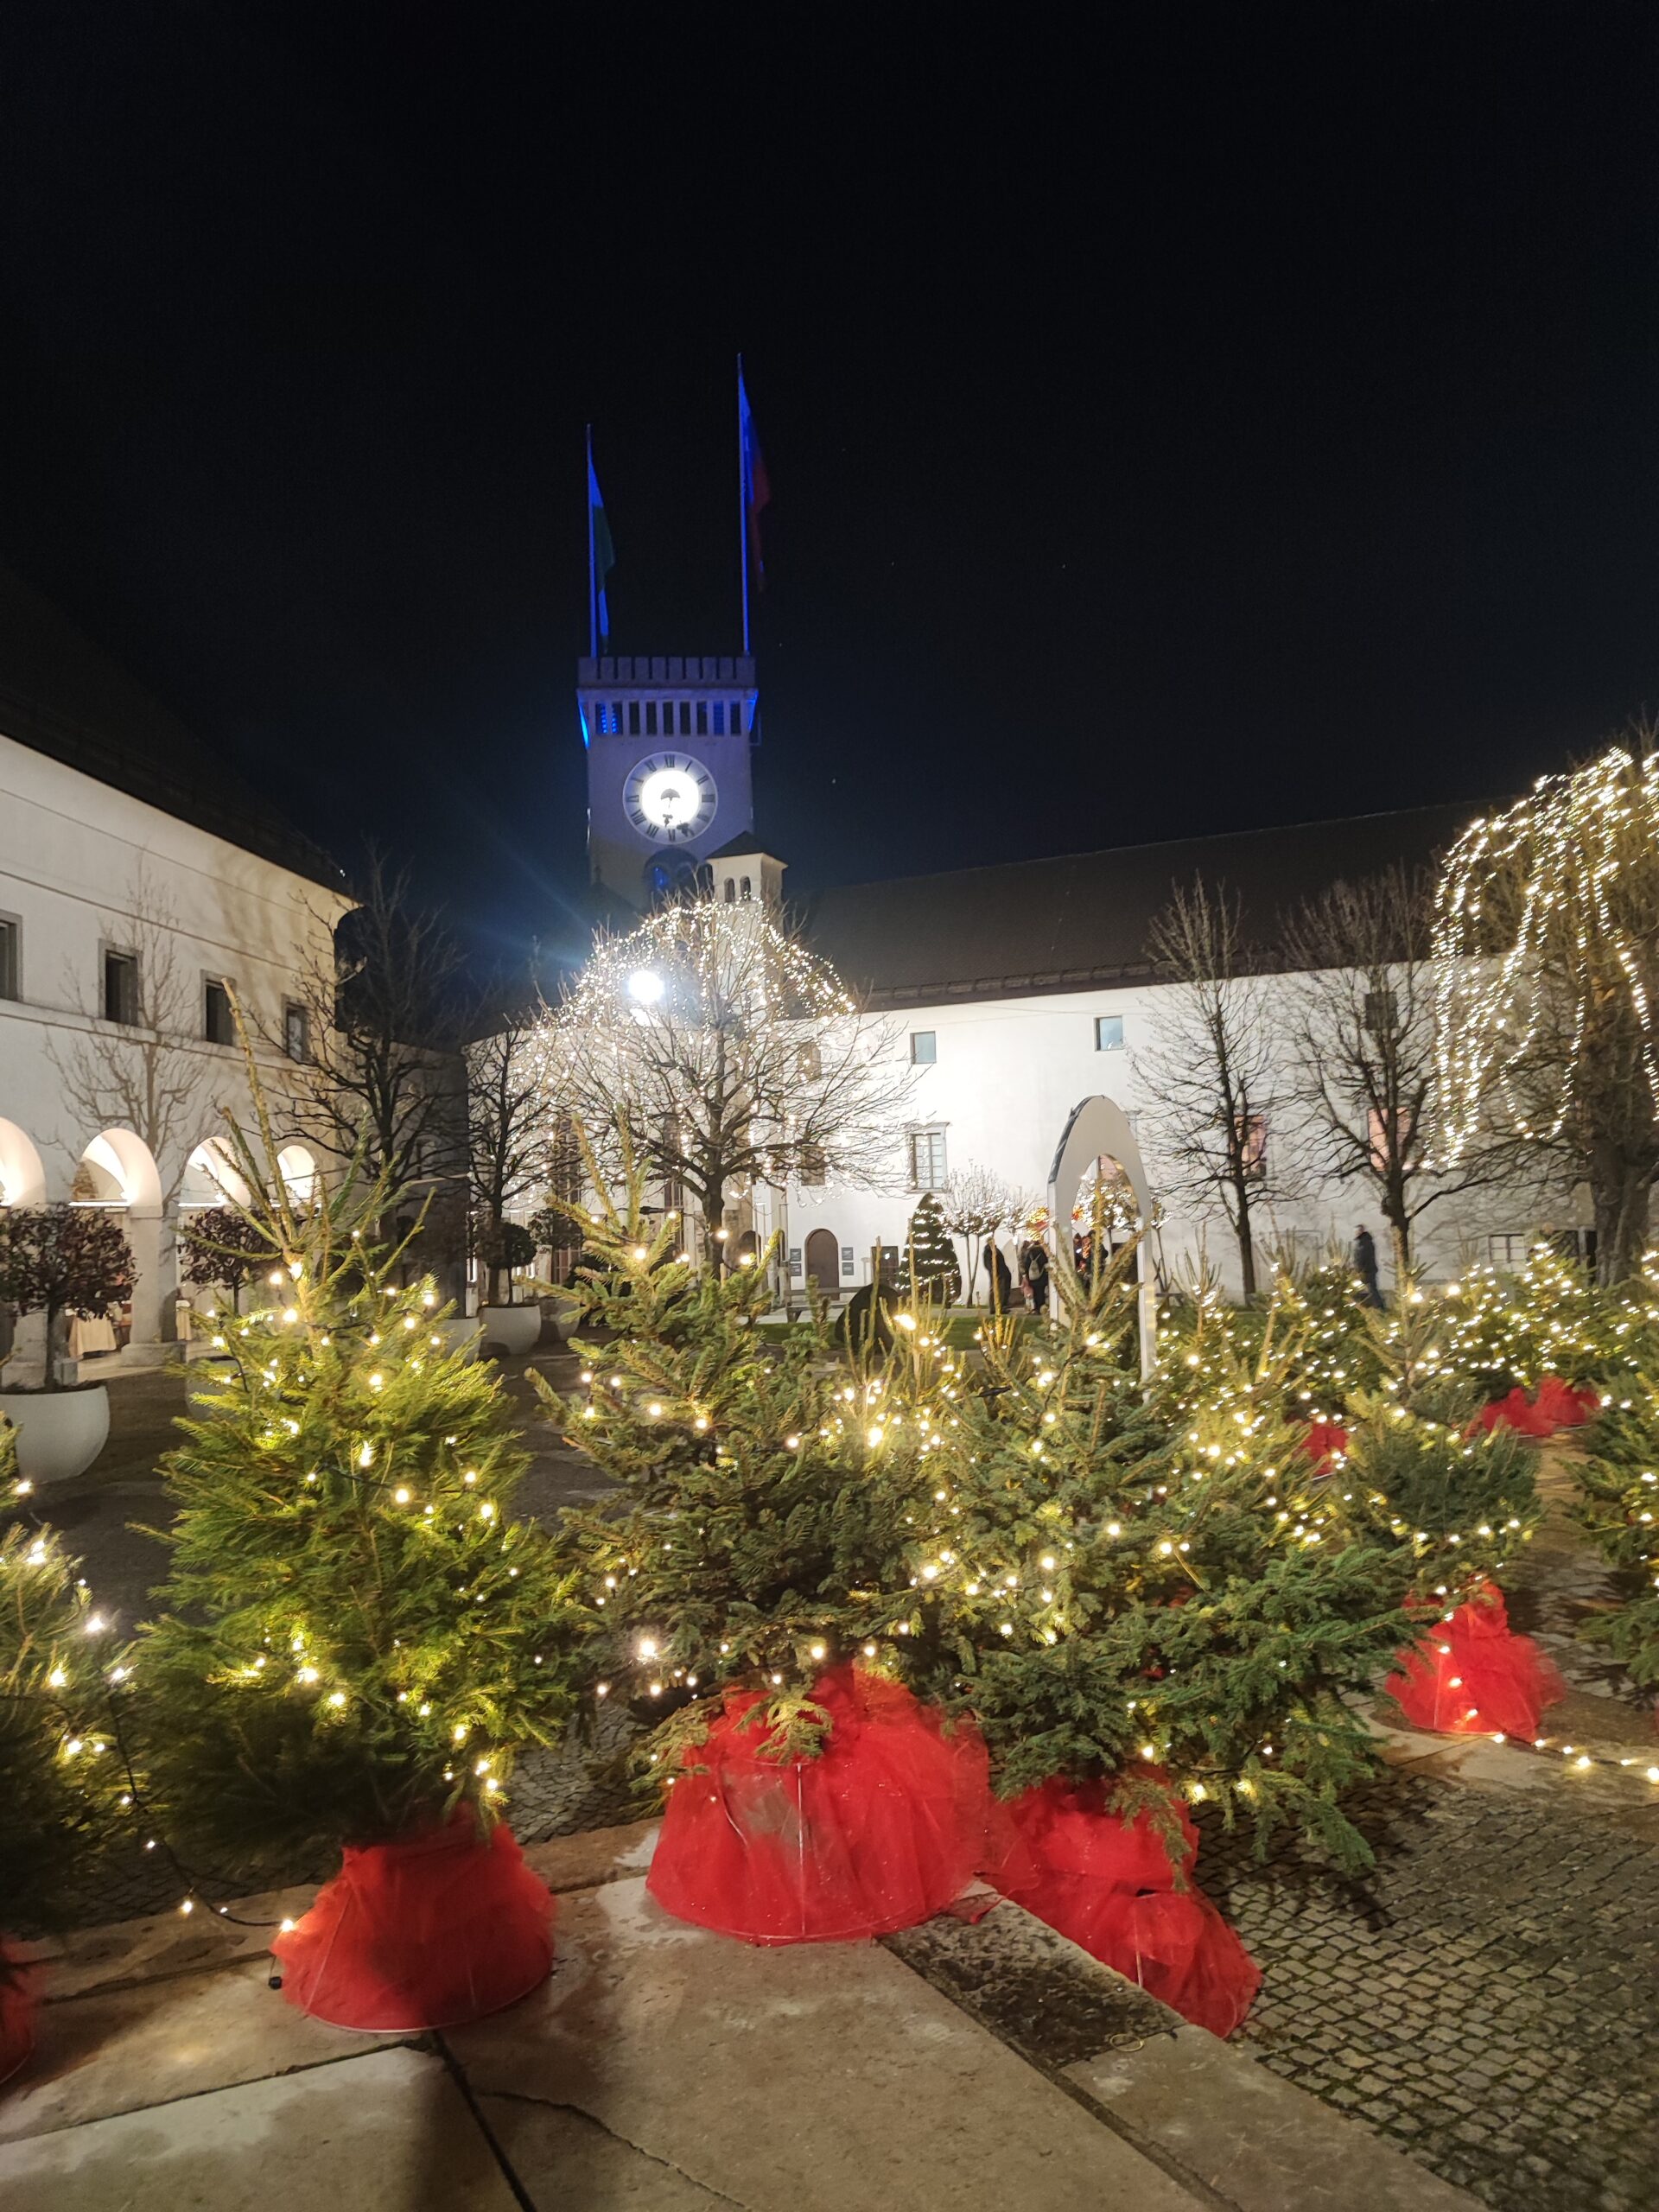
998, 1275
1365, 1265
1036, 1273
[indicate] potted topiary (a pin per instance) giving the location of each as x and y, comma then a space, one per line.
223, 1250
552, 1231
358, 1637
61, 1779
502, 1246
55, 1261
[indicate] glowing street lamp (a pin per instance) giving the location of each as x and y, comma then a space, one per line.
646, 987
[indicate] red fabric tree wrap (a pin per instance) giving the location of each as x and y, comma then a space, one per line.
1108, 1885
428, 1931
1472, 1676
1326, 1442
881, 1830
1563, 1406
19, 1997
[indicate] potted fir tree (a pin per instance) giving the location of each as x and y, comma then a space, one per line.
551, 1232
502, 1247
61, 1780
56, 1260
358, 1637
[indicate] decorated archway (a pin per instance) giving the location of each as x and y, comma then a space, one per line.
1097, 1135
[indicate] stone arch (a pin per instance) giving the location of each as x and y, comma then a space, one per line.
1098, 1129
22, 1177
122, 1171
211, 1176
301, 1177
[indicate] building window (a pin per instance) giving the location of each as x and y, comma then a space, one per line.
1381, 1013
651, 718
1508, 1248
633, 718
703, 718
737, 718
10, 963
121, 987
731, 891
812, 1168
296, 1032
927, 1169
1108, 1033
745, 890
720, 717
685, 718
810, 1062
217, 1026
1253, 1145
923, 1048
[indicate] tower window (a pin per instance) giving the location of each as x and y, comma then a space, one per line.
731, 891
703, 718
685, 718
720, 717
633, 718
923, 1048
651, 718
746, 891
616, 717
737, 718
1108, 1033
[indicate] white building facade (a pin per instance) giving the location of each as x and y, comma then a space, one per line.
136, 882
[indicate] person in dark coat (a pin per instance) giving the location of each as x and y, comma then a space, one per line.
998, 1272
1036, 1275
1365, 1265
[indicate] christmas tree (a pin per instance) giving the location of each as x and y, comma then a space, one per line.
931, 1254
1619, 1505
1126, 1589
358, 1636
767, 1496
63, 1775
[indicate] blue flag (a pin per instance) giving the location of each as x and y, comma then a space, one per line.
601, 553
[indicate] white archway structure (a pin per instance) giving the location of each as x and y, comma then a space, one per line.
210, 1177
297, 1165
1098, 1129
22, 1178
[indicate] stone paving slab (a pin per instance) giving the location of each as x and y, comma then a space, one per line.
1259, 2143
118, 2050
385, 2132
816, 2078
586, 2168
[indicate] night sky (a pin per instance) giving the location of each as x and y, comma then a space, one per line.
1216, 416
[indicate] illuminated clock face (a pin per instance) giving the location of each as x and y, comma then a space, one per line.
669, 797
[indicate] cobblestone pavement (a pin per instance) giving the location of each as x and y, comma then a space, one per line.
1488, 1996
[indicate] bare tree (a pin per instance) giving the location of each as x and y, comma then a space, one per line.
1366, 1069
509, 1138
149, 1075
382, 1067
976, 1203
1216, 1096
730, 1055
1547, 933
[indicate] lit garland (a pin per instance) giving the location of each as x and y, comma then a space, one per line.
1560, 884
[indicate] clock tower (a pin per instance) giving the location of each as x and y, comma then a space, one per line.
668, 741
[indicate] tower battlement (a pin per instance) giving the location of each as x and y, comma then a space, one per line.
667, 739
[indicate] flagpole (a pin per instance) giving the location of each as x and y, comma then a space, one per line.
593, 587
742, 507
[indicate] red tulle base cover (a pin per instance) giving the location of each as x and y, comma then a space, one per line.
1108, 1885
425, 1932
19, 1997
1473, 1675
1557, 1405
1325, 1444
881, 1830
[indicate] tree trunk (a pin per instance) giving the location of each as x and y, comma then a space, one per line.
1621, 1198
1246, 1247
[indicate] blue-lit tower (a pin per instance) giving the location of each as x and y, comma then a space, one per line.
668, 740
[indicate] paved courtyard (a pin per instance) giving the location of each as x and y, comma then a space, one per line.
1488, 1999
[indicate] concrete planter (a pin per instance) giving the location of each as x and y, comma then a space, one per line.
60, 1432
459, 1334
511, 1328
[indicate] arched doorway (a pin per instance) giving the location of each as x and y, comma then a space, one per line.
824, 1261
22, 1179
296, 1165
210, 1177
746, 1249
1098, 1143
117, 1173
